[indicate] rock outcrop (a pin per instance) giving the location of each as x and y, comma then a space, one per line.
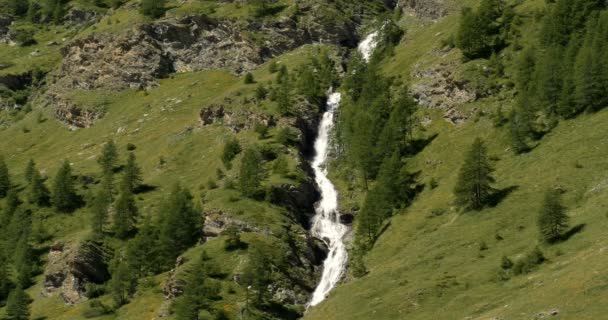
437, 88
138, 57
70, 267
429, 9
5, 23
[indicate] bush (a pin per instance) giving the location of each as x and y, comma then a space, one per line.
24, 37
131, 147
286, 137
273, 67
261, 130
249, 79
153, 8
528, 263
231, 149
96, 309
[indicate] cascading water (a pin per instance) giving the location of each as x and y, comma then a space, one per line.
367, 46
326, 223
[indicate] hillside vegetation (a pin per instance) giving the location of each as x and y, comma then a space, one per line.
154, 158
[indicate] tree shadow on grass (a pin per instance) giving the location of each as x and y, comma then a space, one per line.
499, 195
417, 145
144, 188
570, 233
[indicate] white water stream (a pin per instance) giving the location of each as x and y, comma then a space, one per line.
326, 222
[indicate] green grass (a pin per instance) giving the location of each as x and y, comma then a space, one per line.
161, 122
431, 268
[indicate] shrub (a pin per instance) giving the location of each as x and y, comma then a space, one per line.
249, 79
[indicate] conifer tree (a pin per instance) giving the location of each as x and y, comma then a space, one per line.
474, 185
18, 7
131, 178
257, 274
64, 196
199, 291
24, 260
107, 159
5, 180
100, 207
29, 170
125, 214
5, 274
251, 173
37, 192
12, 202
552, 220
180, 224
549, 79
123, 283
17, 305
143, 251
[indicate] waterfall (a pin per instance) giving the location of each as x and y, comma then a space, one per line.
326, 222
367, 46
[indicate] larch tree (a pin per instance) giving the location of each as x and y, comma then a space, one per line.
5, 180
64, 196
474, 186
251, 172
552, 219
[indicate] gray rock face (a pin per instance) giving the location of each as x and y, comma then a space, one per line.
5, 22
137, 58
436, 88
217, 222
430, 9
70, 267
78, 17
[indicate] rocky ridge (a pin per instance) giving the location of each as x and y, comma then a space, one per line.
138, 57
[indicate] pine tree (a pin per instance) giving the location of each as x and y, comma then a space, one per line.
257, 274
18, 7
100, 207
143, 251
64, 196
251, 173
549, 77
17, 305
29, 171
5, 274
24, 260
123, 283
199, 291
5, 180
473, 187
37, 192
131, 178
12, 202
552, 220
125, 214
107, 159
180, 225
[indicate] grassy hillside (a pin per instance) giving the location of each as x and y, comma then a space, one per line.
434, 261
171, 147
428, 263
